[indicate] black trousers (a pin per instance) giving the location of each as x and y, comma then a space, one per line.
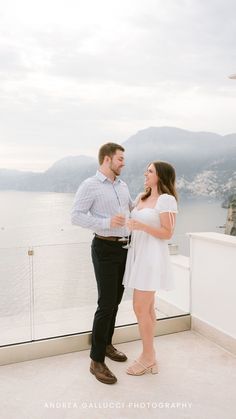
109, 260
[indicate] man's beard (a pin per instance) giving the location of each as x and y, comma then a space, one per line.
116, 173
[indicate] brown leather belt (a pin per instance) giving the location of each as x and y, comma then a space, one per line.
110, 238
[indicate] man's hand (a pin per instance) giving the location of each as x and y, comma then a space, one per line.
117, 221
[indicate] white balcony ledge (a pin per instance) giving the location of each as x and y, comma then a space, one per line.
224, 239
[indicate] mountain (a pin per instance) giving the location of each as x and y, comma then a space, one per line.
66, 174
205, 164
63, 176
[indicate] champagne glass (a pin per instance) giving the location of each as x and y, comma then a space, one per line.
124, 238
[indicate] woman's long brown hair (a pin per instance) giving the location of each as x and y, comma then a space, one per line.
166, 179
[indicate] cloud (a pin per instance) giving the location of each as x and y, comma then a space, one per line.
84, 71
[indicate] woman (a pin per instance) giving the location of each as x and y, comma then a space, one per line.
148, 267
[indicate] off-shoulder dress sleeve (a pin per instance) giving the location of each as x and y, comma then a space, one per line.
168, 203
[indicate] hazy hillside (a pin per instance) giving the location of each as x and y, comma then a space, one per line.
63, 176
205, 164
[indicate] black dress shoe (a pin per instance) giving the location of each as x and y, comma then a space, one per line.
114, 354
102, 372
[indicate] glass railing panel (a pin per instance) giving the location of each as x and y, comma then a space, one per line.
15, 295
65, 292
175, 302
195, 215
52, 292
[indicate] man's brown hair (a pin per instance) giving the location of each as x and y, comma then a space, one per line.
108, 149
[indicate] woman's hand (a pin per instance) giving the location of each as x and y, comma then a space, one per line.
133, 224
165, 231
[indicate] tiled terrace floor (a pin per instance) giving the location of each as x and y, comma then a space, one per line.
197, 380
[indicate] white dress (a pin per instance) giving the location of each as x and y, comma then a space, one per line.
148, 266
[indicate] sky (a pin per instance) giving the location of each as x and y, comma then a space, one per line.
75, 74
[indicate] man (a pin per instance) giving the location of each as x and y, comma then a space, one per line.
100, 203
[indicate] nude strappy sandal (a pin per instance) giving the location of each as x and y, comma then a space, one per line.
139, 368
